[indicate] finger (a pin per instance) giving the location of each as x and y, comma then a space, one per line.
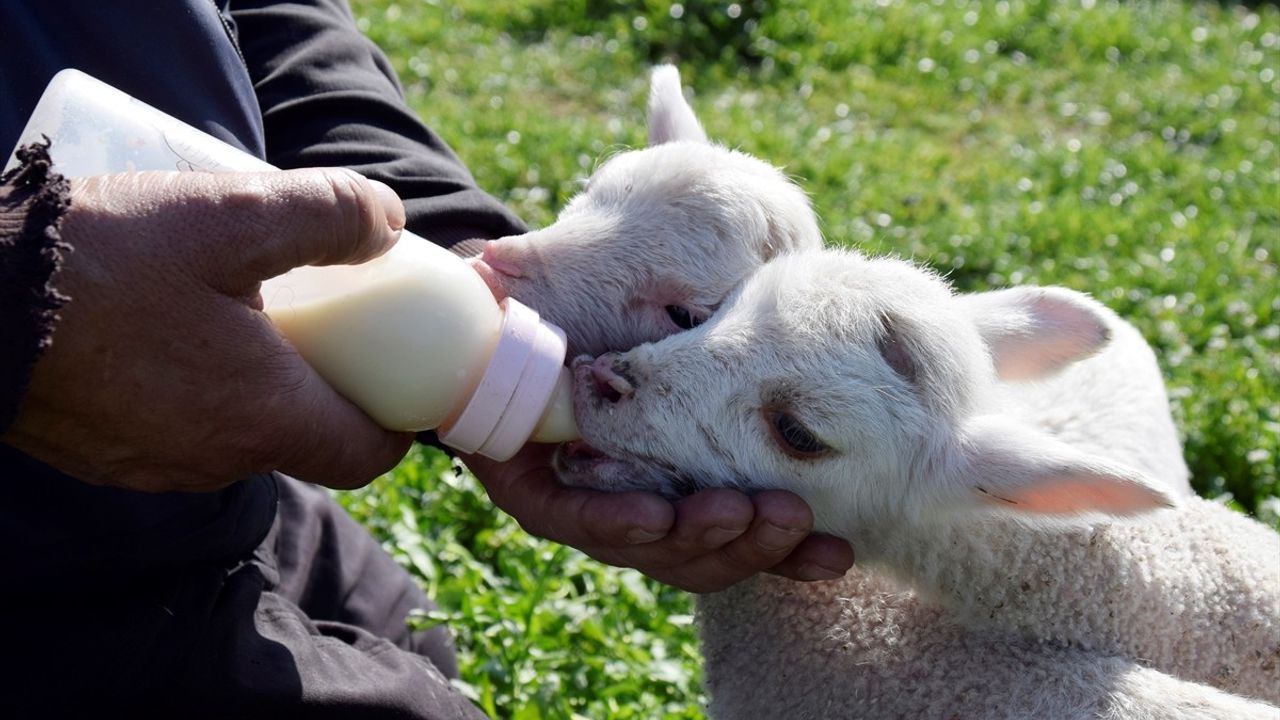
315, 434
818, 557
248, 227
782, 521
708, 520
526, 488
704, 522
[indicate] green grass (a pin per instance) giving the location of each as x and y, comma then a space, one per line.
1125, 149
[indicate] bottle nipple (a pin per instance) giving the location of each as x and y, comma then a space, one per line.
557, 424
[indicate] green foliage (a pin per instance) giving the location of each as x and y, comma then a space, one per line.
696, 32
542, 630
1127, 149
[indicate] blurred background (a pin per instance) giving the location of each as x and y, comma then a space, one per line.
1128, 150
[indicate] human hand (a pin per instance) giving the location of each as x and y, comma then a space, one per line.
163, 373
703, 543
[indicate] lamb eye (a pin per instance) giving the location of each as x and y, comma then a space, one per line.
683, 319
796, 439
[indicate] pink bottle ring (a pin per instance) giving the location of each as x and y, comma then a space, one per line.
513, 392
529, 402
498, 384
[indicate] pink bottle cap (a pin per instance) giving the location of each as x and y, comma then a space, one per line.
515, 388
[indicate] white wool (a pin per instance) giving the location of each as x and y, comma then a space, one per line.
684, 222
948, 477
1193, 592
861, 647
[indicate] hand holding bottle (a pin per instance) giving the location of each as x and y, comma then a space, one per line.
163, 370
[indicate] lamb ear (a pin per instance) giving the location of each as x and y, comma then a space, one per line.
1034, 332
670, 117
1021, 470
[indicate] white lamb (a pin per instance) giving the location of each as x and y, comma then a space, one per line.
718, 216
658, 237
952, 440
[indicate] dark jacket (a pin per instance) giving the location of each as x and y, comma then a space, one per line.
294, 83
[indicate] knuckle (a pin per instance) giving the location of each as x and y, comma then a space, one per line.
243, 211
353, 202
690, 538
745, 555
253, 199
724, 501
783, 509
586, 519
735, 564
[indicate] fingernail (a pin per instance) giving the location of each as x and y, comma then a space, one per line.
391, 204
772, 538
718, 536
639, 535
809, 571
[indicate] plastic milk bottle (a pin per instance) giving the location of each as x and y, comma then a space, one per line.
413, 337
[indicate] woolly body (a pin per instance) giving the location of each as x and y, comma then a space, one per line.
863, 647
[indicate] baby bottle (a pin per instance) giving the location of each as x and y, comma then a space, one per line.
413, 337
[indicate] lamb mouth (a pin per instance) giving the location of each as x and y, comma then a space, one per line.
578, 462
581, 450
576, 458
680, 487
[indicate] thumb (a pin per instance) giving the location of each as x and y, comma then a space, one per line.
244, 228
317, 216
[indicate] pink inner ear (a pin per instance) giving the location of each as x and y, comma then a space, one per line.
1059, 330
1070, 496
892, 350
1030, 358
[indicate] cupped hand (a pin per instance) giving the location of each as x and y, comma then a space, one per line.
703, 543
163, 373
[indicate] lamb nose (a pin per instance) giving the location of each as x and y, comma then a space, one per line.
609, 383
493, 258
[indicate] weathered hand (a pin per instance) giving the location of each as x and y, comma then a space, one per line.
163, 373
703, 543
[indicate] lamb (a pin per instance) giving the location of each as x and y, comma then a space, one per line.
952, 439
658, 237
882, 639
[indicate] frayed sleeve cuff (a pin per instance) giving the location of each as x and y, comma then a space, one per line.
33, 199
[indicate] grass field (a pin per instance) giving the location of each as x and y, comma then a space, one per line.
1125, 149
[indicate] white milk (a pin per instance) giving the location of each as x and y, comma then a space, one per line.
413, 337
406, 336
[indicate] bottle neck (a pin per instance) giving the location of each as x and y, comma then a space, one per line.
520, 381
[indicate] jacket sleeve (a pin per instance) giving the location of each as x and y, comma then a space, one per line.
329, 97
33, 200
